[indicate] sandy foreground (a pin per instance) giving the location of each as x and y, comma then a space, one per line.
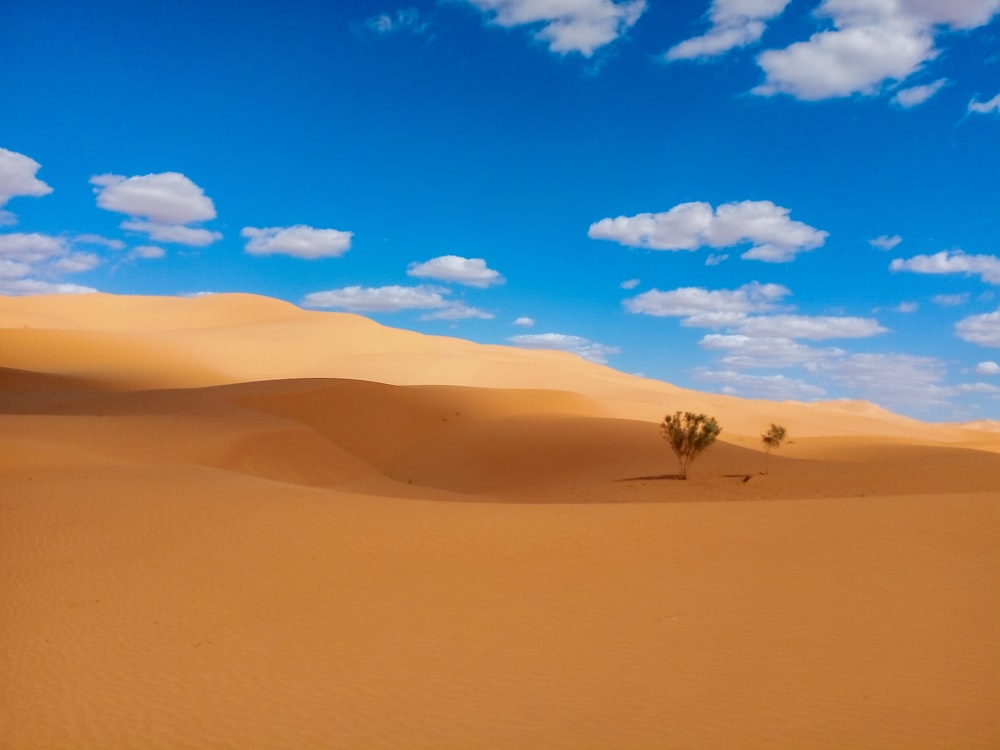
229, 522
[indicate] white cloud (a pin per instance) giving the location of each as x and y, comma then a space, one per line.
24, 287
914, 95
810, 327
31, 248
96, 239
390, 299
688, 226
524, 322
950, 300
982, 108
468, 271
629, 284
906, 307
952, 261
980, 329
176, 233
17, 178
75, 263
378, 299
889, 379
147, 252
959, 14
566, 26
32, 254
735, 23
299, 241
703, 304
885, 241
560, 341
13, 269
715, 259
160, 205
457, 311
165, 198
977, 388
772, 387
987, 368
873, 41
404, 19
844, 62
764, 351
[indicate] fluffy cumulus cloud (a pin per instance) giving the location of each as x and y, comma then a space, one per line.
161, 205
566, 26
980, 329
167, 198
468, 271
982, 108
987, 368
562, 342
914, 95
17, 178
390, 299
872, 42
299, 241
774, 236
33, 263
699, 306
886, 241
524, 322
735, 23
952, 261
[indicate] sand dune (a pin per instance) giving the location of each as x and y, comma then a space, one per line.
229, 522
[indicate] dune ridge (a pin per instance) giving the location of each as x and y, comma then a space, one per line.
229, 522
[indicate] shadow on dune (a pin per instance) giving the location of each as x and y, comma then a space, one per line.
482, 443
650, 478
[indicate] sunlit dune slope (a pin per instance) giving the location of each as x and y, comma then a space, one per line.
155, 342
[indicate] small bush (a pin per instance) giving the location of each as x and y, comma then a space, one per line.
772, 440
688, 434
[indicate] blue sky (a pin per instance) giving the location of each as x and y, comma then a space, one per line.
785, 199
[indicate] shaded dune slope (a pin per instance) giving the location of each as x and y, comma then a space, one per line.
388, 439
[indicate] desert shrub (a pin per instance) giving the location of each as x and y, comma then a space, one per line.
772, 440
688, 434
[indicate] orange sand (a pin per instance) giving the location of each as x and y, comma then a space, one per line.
228, 522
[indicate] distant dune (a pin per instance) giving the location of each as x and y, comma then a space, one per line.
229, 522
